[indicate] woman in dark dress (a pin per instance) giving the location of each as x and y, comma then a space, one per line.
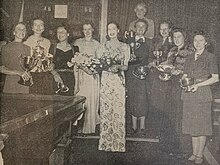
63, 53
157, 89
176, 58
202, 66
137, 92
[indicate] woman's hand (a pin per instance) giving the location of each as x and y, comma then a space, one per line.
114, 69
25, 76
152, 64
194, 87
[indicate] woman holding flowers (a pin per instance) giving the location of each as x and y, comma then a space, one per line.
112, 93
88, 85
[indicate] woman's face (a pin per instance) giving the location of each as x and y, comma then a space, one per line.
140, 28
199, 42
87, 30
164, 30
62, 34
38, 26
20, 31
112, 31
140, 12
178, 39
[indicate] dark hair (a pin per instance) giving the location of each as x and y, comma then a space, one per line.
115, 23
175, 30
184, 33
142, 20
120, 36
209, 46
65, 26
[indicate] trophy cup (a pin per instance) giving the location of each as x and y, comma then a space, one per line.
186, 83
157, 54
62, 88
141, 72
28, 64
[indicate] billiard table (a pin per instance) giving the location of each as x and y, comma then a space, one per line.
36, 124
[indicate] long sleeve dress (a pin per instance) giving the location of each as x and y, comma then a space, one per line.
89, 87
112, 102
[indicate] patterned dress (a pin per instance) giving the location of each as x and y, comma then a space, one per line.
112, 102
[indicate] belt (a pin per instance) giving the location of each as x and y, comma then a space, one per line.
64, 70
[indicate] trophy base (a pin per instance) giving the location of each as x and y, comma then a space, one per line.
25, 83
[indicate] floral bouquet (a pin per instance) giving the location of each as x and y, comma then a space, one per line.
94, 65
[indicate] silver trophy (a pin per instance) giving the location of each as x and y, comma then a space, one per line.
27, 63
186, 83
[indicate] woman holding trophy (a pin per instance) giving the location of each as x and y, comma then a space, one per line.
201, 66
176, 60
63, 52
136, 86
12, 59
157, 88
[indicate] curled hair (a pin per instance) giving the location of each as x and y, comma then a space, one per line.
209, 46
120, 36
142, 4
142, 20
202, 33
169, 23
66, 26
115, 23
184, 33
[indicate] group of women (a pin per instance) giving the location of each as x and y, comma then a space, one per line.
106, 92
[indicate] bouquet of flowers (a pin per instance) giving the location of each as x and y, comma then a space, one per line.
95, 65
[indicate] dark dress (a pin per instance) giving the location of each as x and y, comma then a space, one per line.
136, 88
197, 106
66, 73
157, 89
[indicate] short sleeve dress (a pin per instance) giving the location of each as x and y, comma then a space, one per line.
197, 106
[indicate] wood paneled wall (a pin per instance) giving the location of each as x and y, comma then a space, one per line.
191, 15
79, 12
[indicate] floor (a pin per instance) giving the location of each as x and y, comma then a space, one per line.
148, 150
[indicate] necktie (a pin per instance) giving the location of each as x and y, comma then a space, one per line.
197, 56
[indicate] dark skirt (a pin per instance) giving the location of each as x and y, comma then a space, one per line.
197, 118
137, 94
68, 80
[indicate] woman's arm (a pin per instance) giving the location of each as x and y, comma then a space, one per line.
210, 81
25, 75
